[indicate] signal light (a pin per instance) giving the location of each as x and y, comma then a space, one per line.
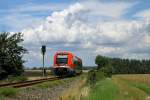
43, 49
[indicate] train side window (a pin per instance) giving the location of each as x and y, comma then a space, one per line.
74, 60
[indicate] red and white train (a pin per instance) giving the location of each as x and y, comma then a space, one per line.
66, 64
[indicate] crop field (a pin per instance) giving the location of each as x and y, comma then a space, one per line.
133, 87
122, 87
142, 78
36, 73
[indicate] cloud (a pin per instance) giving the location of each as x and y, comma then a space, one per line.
143, 14
26, 15
72, 25
91, 29
107, 9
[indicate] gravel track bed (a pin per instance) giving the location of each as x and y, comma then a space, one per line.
41, 94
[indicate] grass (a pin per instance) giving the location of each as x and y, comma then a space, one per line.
138, 83
74, 92
142, 86
12, 79
128, 90
2, 98
121, 87
141, 78
50, 84
8, 91
104, 90
17, 79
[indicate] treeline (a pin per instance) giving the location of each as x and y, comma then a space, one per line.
122, 66
50, 68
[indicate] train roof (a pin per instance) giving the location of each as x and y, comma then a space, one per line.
64, 52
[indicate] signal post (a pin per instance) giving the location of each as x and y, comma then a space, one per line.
43, 51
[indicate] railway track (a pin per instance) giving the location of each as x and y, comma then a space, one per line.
28, 83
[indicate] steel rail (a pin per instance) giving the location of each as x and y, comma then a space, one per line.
28, 83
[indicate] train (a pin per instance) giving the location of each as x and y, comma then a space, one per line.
66, 64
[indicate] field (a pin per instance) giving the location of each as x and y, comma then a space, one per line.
27, 75
122, 87
35, 74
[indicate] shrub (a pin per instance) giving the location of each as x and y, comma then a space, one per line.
100, 75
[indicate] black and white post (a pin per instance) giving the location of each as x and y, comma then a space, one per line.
43, 50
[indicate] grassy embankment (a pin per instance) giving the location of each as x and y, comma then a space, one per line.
104, 90
75, 90
121, 87
101, 88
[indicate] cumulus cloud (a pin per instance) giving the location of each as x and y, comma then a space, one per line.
107, 9
143, 14
72, 24
80, 28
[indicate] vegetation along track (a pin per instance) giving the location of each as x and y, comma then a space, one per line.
28, 83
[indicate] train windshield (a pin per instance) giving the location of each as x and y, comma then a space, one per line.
62, 59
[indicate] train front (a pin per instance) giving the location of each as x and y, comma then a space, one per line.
63, 64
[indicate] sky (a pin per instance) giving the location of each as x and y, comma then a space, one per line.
113, 28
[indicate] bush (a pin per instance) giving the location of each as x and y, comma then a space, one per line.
100, 75
94, 76
8, 91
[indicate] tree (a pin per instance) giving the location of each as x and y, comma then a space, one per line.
11, 53
101, 61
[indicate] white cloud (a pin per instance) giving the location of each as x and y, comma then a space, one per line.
106, 9
72, 25
76, 28
143, 14
26, 15
146, 39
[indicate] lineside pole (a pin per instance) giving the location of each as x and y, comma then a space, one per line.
43, 67
43, 50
